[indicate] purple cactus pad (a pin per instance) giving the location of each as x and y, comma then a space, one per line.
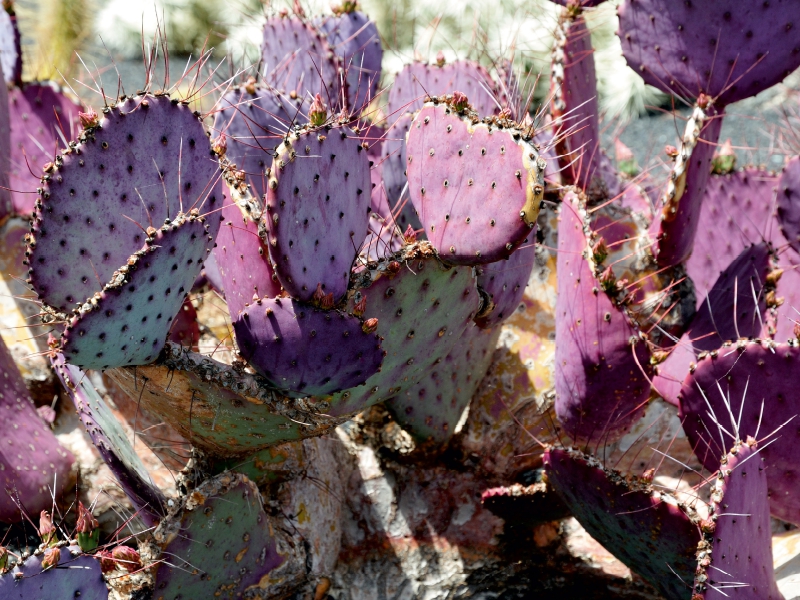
317, 210
789, 202
147, 160
648, 531
602, 367
738, 527
750, 389
6, 204
32, 460
477, 187
504, 282
43, 120
112, 443
128, 322
77, 575
726, 49
304, 349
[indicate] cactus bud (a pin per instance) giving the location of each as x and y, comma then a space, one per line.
47, 530
370, 326
250, 85
608, 280
600, 251
89, 119
361, 306
671, 151
220, 145
460, 101
393, 267
52, 556
127, 557
440, 59
317, 113
88, 529
724, 160
410, 236
318, 296
107, 562
625, 159
327, 302
648, 475
704, 101
505, 113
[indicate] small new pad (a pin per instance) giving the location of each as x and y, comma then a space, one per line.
219, 543
738, 547
420, 79
317, 210
431, 409
648, 531
751, 46
730, 386
504, 282
356, 41
146, 161
306, 350
422, 309
298, 60
77, 575
601, 366
128, 322
111, 442
43, 120
31, 459
476, 186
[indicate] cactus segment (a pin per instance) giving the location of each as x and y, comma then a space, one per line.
242, 258
739, 208
504, 283
77, 575
254, 120
738, 526
298, 61
6, 202
218, 543
10, 55
789, 202
419, 79
145, 161
117, 327
31, 459
357, 43
676, 221
751, 46
431, 409
219, 408
749, 388
307, 350
112, 443
477, 186
647, 530
42, 119
735, 307
593, 338
393, 172
317, 210
422, 308
575, 109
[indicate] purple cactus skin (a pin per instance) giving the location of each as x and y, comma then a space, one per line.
504, 283
755, 377
738, 526
147, 159
676, 221
128, 322
6, 205
77, 575
431, 409
298, 61
317, 209
219, 543
730, 311
357, 43
422, 308
752, 45
739, 208
393, 172
602, 368
476, 186
789, 202
419, 79
112, 443
39, 114
305, 349
648, 531
33, 462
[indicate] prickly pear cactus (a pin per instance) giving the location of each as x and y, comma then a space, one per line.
72, 575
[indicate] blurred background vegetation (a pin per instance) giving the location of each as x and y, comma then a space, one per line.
486, 30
